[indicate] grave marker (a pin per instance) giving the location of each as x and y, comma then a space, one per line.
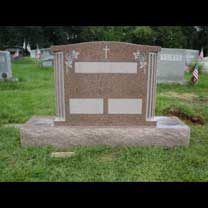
105, 95
173, 62
5, 66
47, 57
171, 65
113, 84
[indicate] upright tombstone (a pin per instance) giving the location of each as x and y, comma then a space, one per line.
13, 51
5, 66
171, 65
204, 63
105, 94
105, 83
191, 56
33, 53
47, 57
173, 62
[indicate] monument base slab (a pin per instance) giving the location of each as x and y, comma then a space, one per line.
169, 131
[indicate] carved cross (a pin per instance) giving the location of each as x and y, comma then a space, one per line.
106, 49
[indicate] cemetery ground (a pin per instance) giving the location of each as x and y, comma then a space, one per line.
34, 95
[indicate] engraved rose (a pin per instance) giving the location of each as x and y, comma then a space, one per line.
141, 57
70, 57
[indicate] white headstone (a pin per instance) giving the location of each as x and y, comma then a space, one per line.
191, 55
5, 65
171, 65
33, 54
204, 62
46, 57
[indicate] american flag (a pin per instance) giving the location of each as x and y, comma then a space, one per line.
195, 73
28, 48
24, 45
16, 54
201, 55
38, 53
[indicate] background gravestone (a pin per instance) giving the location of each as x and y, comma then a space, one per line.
13, 50
46, 57
204, 62
191, 55
171, 65
5, 65
33, 53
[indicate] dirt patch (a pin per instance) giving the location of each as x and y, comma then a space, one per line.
185, 96
184, 116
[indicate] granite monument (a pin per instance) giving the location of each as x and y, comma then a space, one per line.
105, 94
171, 66
191, 56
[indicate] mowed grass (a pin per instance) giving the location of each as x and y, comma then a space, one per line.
34, 95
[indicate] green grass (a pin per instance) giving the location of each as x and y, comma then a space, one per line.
34, 95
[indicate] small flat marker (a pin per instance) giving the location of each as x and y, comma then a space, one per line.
62, 154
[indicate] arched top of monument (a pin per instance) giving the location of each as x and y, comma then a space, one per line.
147, 48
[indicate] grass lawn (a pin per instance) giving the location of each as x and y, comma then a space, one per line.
34, 95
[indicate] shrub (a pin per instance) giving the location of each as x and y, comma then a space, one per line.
192, 66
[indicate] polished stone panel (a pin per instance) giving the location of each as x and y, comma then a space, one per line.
106, 67
124, 106
86, 106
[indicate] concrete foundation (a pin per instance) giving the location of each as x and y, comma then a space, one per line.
169, 131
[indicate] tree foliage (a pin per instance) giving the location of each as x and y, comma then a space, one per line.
169, 36
141, 35
165, 36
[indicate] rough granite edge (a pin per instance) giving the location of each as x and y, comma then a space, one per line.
41, 131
